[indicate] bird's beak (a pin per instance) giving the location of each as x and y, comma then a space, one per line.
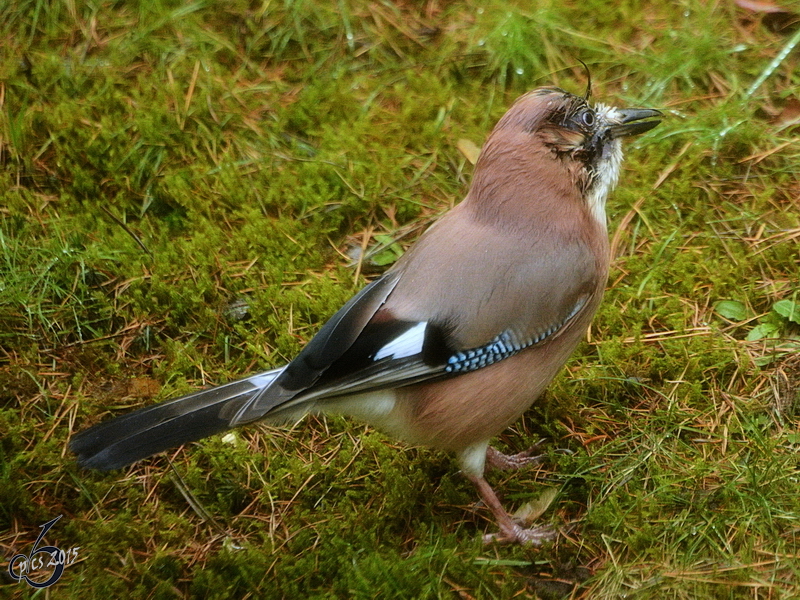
631, 121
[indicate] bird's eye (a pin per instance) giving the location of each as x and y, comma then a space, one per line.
587, 118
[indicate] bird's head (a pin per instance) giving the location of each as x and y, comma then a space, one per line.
561, 144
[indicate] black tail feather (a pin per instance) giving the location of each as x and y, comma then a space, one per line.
124, 440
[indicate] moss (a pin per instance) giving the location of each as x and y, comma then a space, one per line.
163, 162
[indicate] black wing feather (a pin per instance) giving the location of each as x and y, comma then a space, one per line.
336, 336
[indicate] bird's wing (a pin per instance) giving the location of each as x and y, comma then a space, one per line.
352, 338
402, 330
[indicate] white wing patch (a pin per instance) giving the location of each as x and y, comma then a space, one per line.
407, 344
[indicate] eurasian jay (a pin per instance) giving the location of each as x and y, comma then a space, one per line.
457, 339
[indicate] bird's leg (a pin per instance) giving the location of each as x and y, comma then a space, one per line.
473, 461
513, 462
510, 532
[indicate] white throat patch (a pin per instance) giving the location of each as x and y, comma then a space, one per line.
607, 168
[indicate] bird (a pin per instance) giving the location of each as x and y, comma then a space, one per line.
455, 341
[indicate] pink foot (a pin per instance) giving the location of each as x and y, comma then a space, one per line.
510, 531
519, 535
513, 462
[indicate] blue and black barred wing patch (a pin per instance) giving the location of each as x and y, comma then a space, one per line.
506, 344
398, 353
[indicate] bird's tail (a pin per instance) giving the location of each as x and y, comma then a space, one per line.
147, 431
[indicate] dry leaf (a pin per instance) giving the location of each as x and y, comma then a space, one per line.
790, 115
469, 150
534, 509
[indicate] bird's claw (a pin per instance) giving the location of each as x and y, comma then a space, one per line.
513, 462
519, 535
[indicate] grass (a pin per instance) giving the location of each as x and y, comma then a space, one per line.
184, 189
